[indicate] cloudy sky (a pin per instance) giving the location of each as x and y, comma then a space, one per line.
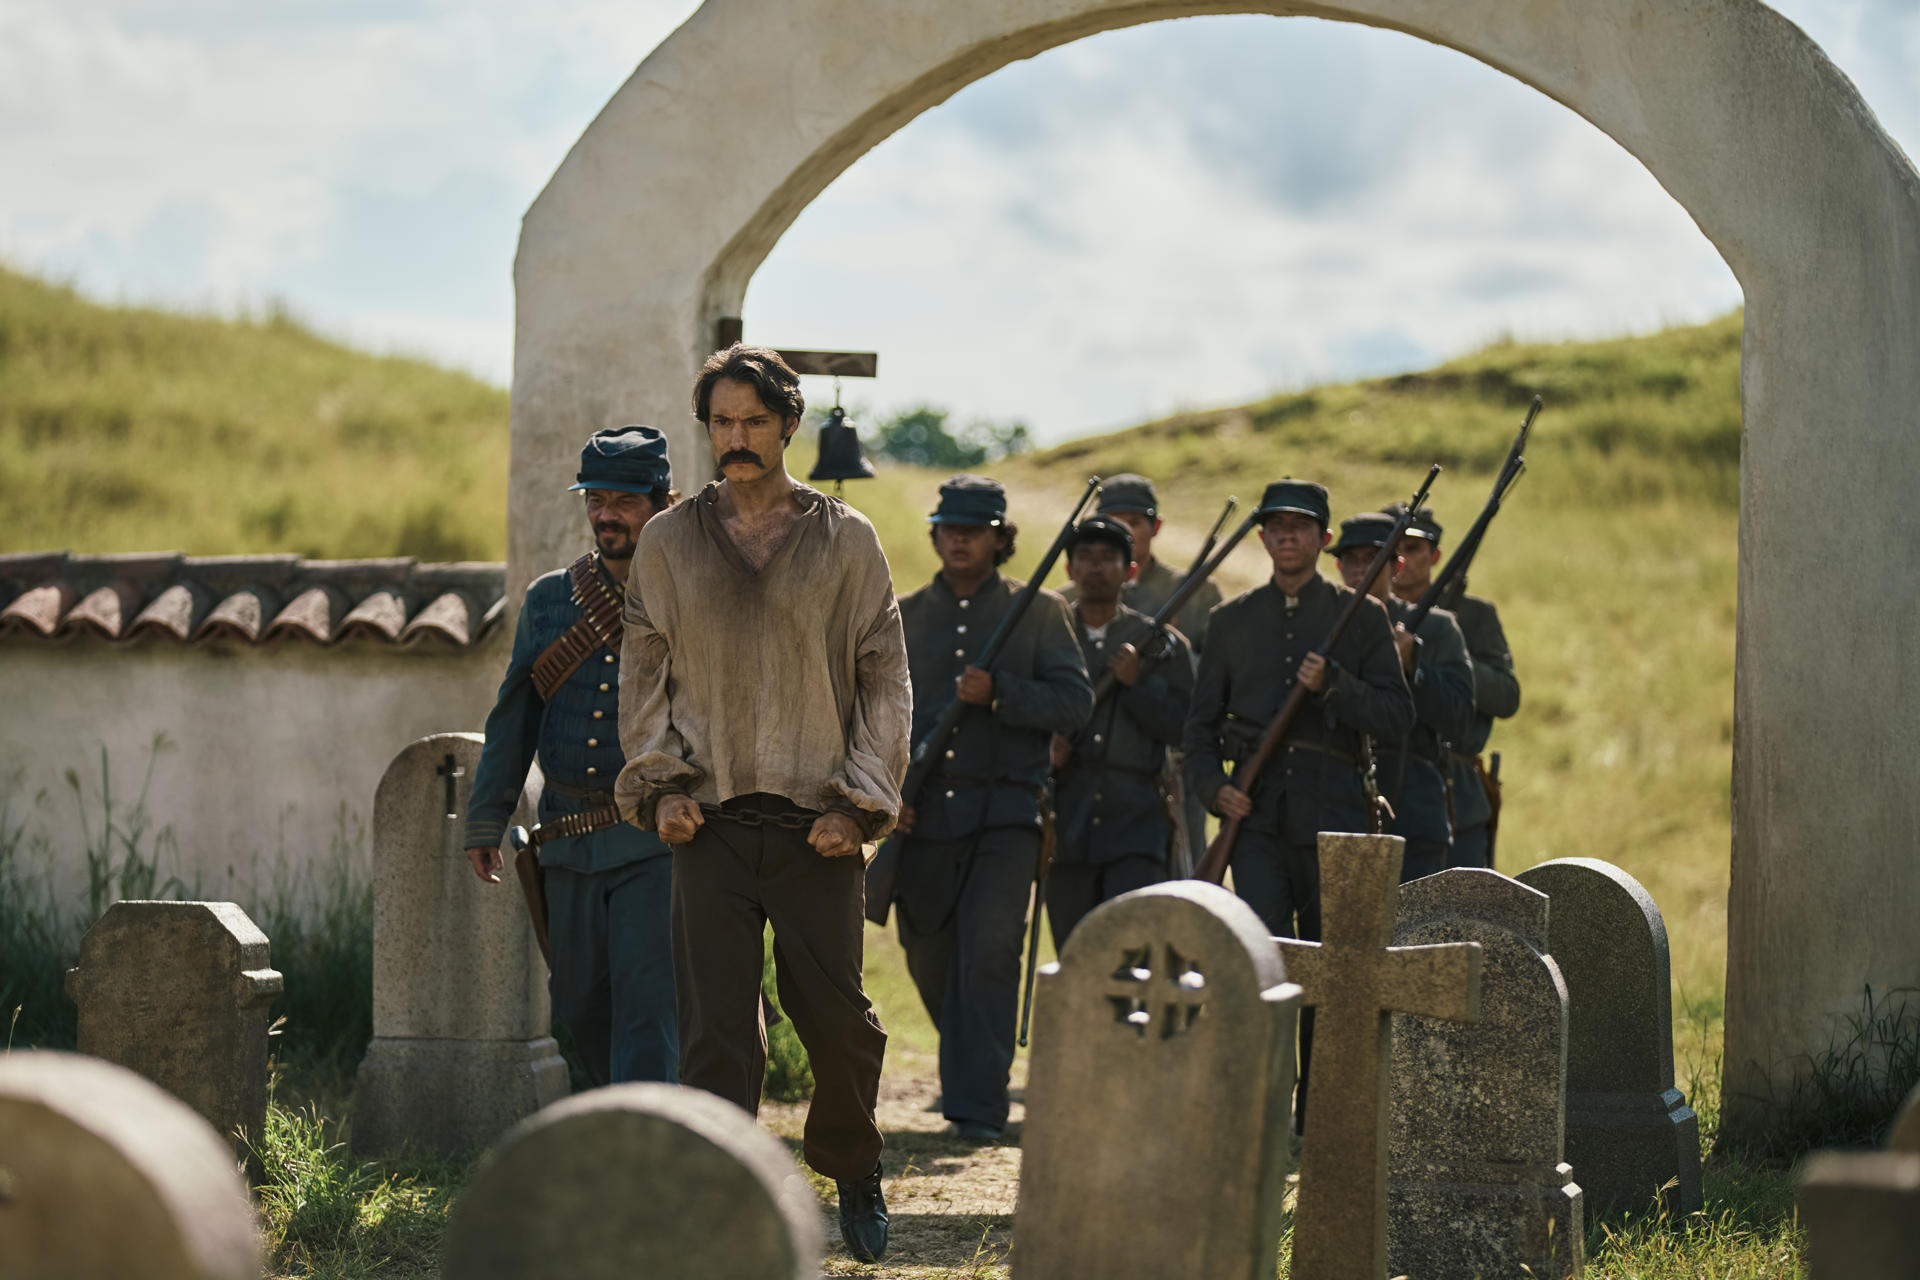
1171, 216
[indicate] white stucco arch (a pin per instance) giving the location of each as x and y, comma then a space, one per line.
654, 223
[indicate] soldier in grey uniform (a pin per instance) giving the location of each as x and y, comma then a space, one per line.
608, 891
1496, 689
972, 835
1131, 500
1110, 804
1412, 770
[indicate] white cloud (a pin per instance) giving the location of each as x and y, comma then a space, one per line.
1184, 213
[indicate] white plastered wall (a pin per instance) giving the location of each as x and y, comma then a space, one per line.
654, 223
272, 754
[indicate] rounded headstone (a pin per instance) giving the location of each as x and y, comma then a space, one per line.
636, 1180
104, 1175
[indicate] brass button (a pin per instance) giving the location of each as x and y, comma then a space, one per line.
599, 715
959, 653
965, 603
949, 753
592, 770
593, 742
949, 795
608, 658
1097, 738
603, 688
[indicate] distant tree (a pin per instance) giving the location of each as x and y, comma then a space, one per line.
920, 436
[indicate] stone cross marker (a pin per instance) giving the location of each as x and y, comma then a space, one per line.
1166, 1026
1478, 1186
1630, 1132
179, 992
1354, 980
104, 1175
461, 1047
636, 1180
1861, 1212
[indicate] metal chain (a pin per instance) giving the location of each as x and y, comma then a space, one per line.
756, 818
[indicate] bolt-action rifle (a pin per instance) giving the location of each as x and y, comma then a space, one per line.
1203, 566
1450, 583
1213, 867
885, 866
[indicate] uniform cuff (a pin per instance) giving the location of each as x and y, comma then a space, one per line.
484, 833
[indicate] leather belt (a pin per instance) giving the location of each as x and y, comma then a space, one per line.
585, 795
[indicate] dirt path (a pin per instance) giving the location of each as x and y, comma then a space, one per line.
951, 1202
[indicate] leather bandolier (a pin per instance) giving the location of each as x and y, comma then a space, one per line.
599, 626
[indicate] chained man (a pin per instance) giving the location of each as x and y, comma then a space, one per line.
608, 890
1496, 690
1412, 770
972, 836
764, 711
1112, 823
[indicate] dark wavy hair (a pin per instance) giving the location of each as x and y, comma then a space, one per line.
1001, 554
761, 368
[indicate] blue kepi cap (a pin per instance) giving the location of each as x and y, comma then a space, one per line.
971, 500
1303, 496
628, 459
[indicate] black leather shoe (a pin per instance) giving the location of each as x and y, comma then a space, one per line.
863, 1217
975, 1131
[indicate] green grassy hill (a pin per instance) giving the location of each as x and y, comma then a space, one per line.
126, 429
133, 430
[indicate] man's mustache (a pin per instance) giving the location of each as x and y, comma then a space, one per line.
606, 527
740, 455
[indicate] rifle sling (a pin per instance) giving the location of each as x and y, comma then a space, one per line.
599, 626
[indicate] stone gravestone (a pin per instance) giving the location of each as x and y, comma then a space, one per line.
1159, 1096
1353, 979
105, 1176
636, 1180
1630, 1132
179, 992
461, 1048
1905, 1134
1861, 1212
1478, 1185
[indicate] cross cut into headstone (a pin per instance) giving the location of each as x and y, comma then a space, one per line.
1355, 981
1178, 991
1156, 1139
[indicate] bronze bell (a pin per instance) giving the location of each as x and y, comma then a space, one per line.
840, 458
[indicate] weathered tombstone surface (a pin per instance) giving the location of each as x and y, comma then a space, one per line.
179, 992
1159, 1099
636, 1180
461, 1047
1905, 1134
1630, 1132
1354, 980
105, 1176
1478, 1185
1861, 1212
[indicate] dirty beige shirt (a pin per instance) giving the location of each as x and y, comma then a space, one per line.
792, 680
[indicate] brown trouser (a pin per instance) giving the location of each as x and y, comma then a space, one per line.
728, 882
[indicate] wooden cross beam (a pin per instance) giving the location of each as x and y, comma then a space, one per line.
1355, 981
837, 364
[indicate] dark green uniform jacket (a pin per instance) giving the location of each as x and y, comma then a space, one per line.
998, 759
1107, 798
1256, 642
1412, 769
1496, 694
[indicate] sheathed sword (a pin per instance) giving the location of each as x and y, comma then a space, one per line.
526, 859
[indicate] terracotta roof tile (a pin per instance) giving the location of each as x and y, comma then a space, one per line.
246, 599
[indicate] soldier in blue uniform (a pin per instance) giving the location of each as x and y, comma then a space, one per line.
608, 891
1110, 806
1496, 689
1412, 770
972, 835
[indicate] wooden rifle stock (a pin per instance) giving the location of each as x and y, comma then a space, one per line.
1213, 867
1450, 583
